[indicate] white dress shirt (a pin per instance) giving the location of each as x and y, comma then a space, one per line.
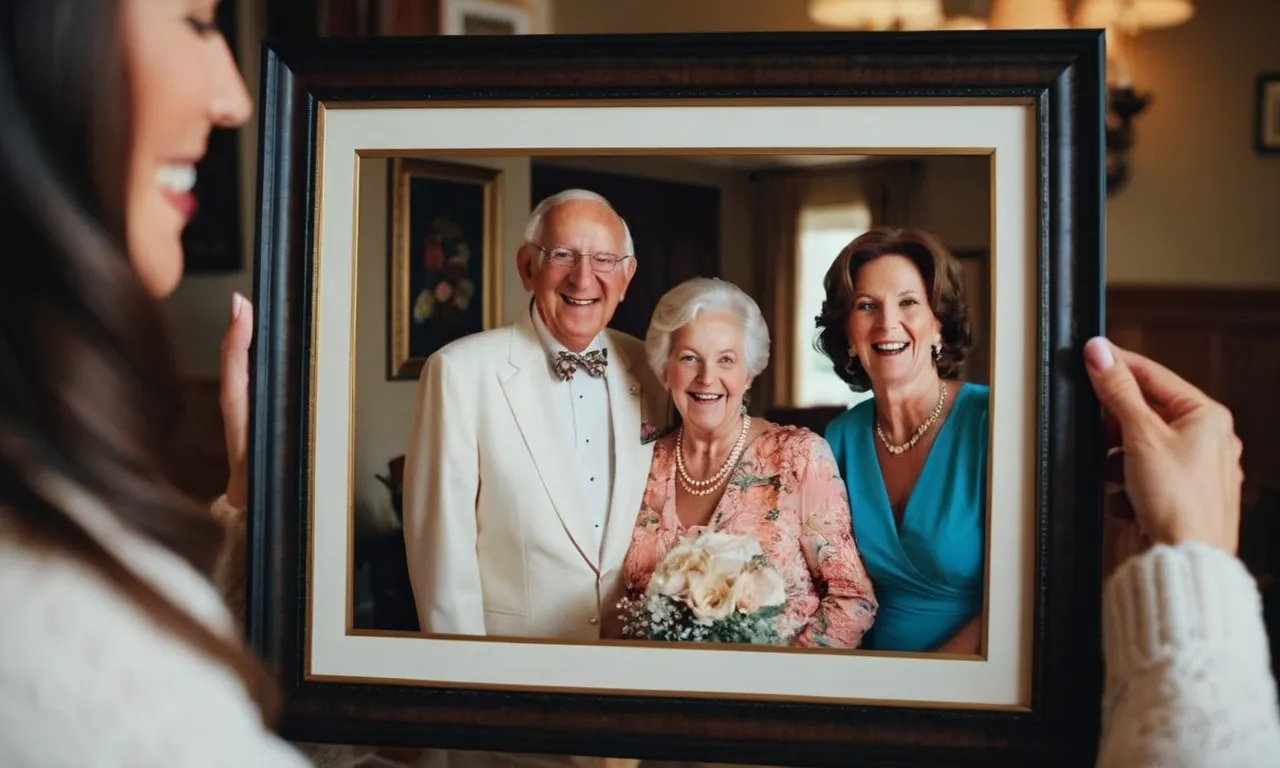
582, 410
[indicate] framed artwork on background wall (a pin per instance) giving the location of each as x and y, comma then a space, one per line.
1267, 113
485, 17
444, 246
336, 112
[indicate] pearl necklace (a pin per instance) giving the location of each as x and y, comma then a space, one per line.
708, 486
898, 450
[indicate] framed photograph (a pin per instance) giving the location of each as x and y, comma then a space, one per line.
444, 245
1267, 117
993, 141
486, 17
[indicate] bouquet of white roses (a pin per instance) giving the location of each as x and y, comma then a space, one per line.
713, 588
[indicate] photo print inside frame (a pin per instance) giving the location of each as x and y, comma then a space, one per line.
458, 222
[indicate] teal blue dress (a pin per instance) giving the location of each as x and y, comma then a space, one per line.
928, 576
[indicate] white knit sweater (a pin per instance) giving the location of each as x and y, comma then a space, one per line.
88, 681
1189, 681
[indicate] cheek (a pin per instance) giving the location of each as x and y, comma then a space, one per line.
614, 285
856, 329
925, 324
678, 377
548, 279
734, 378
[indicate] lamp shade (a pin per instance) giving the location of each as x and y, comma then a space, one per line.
964, 22
877, 14
1133, 15
1028, 14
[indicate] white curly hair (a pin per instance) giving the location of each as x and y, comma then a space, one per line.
706, 295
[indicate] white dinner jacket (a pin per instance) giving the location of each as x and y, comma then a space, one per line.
497, 531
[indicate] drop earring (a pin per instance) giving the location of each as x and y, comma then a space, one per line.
746, 400
849, 366
936, 352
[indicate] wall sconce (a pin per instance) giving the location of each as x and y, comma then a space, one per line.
1123, 20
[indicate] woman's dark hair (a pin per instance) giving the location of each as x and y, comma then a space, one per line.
940, 272
89, 394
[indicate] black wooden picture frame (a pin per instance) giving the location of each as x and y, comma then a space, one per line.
1059, 72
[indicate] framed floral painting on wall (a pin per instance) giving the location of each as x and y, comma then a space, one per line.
444, 250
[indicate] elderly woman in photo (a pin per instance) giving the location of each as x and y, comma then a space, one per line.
914, 455
741, 479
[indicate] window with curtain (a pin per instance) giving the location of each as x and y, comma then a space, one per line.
823, 231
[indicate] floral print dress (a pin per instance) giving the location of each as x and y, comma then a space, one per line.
787, 493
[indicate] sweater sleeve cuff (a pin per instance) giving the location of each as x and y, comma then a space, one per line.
1170, 597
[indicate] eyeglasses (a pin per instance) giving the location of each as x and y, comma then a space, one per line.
568, 258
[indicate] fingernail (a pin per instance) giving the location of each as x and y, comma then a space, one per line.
237, 302
1097, 353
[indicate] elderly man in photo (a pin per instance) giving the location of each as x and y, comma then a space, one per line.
531, 444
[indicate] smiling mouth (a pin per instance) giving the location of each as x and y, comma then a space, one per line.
705, 397
177, 178
574, 302
890, 348
176, 182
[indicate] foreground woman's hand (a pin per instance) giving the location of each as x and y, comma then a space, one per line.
1181, 454
234, 398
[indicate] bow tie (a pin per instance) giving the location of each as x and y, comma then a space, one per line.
592, 362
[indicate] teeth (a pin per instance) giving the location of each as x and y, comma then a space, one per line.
703, 396
578, 302
177, 178
891, 346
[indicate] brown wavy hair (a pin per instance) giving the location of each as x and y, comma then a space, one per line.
940, 272
89, 391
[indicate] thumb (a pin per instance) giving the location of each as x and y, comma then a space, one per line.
234, 355
238, 336
241, 330
1115, 386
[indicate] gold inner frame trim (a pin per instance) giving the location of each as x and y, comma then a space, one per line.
408, 153
677, 103
696, 695
412, 152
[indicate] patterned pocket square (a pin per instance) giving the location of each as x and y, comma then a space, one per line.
648, 433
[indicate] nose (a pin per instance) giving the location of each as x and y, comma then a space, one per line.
704, 373
582, 272
889, 316
231, 106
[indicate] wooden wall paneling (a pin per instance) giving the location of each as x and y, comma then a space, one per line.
408, 17
1227, 342
1249, 382
363, 18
